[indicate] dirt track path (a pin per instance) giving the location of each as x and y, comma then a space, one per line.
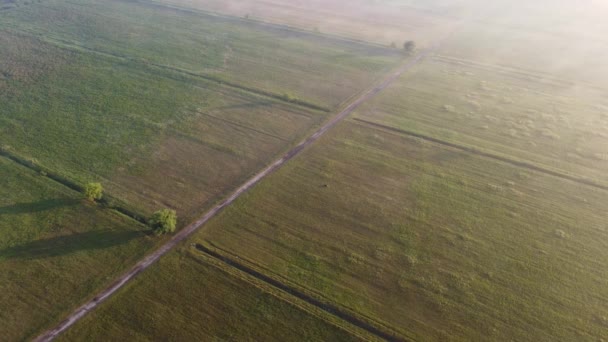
190, 229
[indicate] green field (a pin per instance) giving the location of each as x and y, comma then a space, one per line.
119, 123
466, 201
55, 250
502, 110
92, 100
313, 68
185, 298
438, 243
165, 108
433, 242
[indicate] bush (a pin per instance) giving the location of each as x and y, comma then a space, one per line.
289, 98
93, 191
409, 46
163, 221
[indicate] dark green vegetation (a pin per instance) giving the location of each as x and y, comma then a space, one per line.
55, 250
93, 191
163, 221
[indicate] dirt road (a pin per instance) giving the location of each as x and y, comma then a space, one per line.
189, 230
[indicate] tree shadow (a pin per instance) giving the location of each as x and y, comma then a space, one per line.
34, 207
69, 244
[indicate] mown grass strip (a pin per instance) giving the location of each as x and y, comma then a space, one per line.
476, 151
348, 316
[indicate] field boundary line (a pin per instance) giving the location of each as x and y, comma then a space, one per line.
371, 326
73, 46
202, 258
108, 201
542, 77
244, 127
270, 24
478, 152
184, 233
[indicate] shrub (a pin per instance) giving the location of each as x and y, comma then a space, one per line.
409, 46
163, 221
289, 97
93, 191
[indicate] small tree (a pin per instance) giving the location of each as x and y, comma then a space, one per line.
393, 45
289, 98
93, 191
409, 46
163, 221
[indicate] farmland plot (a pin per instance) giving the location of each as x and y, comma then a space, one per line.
312, 68
184, 298
379, 22
525, 116
127, 125
436, 242
55, 250
432, 242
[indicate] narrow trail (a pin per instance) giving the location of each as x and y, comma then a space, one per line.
143, 264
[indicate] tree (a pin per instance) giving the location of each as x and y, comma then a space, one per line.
163, 221
409, 46
393, 45
93, 191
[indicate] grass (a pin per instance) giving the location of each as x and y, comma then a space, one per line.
184, 297
127, 125
560, 39
171, 107
121, 102
86, 103
378, 22
434, 242
312, 68
518, 114
50, 242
